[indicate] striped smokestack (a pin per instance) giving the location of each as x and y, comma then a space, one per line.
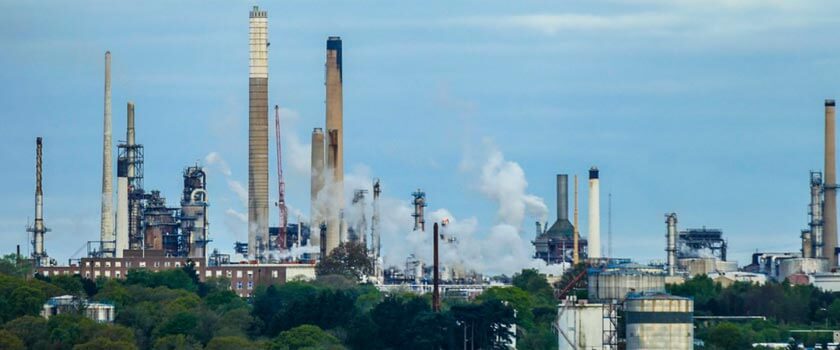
106, 232
830, 183
258, 136
594, 214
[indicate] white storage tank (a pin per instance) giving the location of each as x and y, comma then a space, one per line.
582, 326
659, 322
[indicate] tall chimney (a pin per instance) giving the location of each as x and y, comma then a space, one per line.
281, 189
576, 233
436, 277
39, 254
316, 214
258, 136
671, 242
106, 232
335, 139
562, 197
830, 185
594, 214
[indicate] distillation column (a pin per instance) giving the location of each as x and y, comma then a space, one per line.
671, 238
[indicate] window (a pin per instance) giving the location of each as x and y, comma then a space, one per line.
157, 263
250, 284
239, 274
118, 264
107, 273
250, 274
95, 274
239, 285
87, 274
197, 263
177, 264
229, 274
274, 274
127, 264
142, 264
207, 273
107, 264
96, 264
87, 263
118, 274
218, 273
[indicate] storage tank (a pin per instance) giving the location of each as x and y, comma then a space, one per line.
615, 282
659, 322
788, 267
581, 325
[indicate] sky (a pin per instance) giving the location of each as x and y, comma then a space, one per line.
710, 109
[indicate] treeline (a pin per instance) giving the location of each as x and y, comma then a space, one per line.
174, 310
785, 306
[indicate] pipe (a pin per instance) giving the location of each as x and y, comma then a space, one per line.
594, 214
671, 247
106, 224
830, 187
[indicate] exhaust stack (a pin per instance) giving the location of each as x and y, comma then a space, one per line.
671, 247
39, 254
594, 214
436, 291
106, 233
830, 187
316, 185
335, 140
258, 136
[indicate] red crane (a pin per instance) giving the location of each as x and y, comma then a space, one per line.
281, 198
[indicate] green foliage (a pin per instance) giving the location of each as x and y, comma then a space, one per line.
105, 344
304, 336
531, 281
31, 329
176, 342
173, 279
349, 259
232, 343
727, 336
10, 341
10, 265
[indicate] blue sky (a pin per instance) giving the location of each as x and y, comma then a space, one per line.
711, 109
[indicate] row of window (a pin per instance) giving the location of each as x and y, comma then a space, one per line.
140, 264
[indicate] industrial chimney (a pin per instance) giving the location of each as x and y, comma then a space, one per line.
671, 247
258, 136
594, 214
830, 187
316, 186
815, 226
106, 232
39, 254
335, 140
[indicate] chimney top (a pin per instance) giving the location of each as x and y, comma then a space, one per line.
829, 102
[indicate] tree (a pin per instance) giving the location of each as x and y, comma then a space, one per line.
304, 336
176, 342
531, 281
105, 344
10, 341
349, 259
26, 300
13, 266
232, 343
31, 329
728, 336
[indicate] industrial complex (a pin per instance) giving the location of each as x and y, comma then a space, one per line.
140, 229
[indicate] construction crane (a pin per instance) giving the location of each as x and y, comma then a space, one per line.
281, 198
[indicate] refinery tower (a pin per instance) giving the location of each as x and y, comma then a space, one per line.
258, 136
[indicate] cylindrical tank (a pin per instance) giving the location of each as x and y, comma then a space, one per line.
614, 284
659, 322
580, 325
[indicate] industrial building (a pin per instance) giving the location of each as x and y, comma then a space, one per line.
97, 311
557, 244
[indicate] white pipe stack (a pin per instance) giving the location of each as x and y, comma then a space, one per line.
106, 224
594, 214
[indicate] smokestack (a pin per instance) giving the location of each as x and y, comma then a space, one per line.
106, 224
562, 197
830, 200
594, 214
121, 239
316, 215
671, 245
436, 291
374, 227
258, 136
816, 223
39, 254
576, 234
335, 135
